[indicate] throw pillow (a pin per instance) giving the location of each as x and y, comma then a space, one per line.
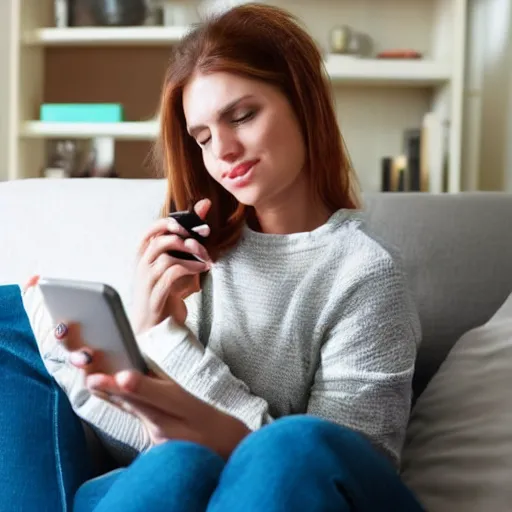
42, 443
458, 450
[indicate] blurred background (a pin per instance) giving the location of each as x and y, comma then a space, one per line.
422, 87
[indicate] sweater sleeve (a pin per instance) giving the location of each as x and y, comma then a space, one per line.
173, 349
121, 433
179, 354
364, 376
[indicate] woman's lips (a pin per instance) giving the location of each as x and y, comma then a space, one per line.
241, 169
242, 176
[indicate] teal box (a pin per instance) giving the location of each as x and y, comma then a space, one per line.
81, 112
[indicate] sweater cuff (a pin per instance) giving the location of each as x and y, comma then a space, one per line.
199, 371
175, 348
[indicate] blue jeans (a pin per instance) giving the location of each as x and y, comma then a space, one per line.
296, 463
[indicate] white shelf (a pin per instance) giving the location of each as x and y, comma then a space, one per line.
341, 70
375, 100
105, 36
142, 130
387, 71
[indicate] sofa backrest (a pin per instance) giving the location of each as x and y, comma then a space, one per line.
457, 248
458, 255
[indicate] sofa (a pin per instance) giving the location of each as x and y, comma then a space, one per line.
457, 251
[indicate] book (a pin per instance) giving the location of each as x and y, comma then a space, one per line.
81, 112
412, 152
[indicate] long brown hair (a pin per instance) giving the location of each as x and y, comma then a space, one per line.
263, 43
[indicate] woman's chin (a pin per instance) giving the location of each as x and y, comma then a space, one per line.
248, 198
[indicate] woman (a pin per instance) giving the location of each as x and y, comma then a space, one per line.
290, 347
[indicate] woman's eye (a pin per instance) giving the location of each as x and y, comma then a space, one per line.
243, 116
203, 141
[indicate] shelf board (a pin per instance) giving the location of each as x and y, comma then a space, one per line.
341, 69
141, 130
105, 36
417, 73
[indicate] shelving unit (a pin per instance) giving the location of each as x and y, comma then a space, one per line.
376, 100
105, 36
141, 130
378, 72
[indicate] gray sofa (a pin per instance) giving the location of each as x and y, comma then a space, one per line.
458, 254
457, 248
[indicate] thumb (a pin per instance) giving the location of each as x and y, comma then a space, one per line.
202, 208
177, 309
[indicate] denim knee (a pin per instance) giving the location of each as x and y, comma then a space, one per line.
185, 453
298, 438
175, 475
307, 429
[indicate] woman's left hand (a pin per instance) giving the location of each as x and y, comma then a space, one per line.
166, 409
169, 411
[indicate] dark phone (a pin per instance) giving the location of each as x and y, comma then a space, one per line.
189, 220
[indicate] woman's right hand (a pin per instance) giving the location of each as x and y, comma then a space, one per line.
162, 282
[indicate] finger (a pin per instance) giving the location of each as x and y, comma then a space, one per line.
164, 286
88, 360
163, 394
162, 245
203, 230
80, 358
69, 335
102, 382
194, 247
175, 227
202, 208
104, 386
165, 243
165, 262
160, 425
80, 355
118, 389
160, 226
32, 281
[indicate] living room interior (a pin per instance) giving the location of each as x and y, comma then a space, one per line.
423, 95
398, 69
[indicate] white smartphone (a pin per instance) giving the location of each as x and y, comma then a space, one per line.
98, 308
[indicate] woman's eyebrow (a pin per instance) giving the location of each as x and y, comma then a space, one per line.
192, 130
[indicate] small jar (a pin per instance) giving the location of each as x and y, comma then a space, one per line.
341, 39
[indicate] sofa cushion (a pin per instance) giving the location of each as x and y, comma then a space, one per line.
457, 251
458, 451
42, 447
456, 247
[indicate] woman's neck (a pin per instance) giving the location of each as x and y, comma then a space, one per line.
294, 213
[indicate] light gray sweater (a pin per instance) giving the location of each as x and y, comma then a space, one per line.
319, 323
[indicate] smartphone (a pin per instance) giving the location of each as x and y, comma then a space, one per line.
189, 220
98, 308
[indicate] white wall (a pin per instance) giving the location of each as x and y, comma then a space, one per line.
6, 55
487, 145
508, 141
5, 51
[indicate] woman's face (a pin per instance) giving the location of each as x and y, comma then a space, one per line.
249, 136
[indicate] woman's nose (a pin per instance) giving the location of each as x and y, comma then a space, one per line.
226, 146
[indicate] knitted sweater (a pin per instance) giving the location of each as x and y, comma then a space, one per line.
320, 322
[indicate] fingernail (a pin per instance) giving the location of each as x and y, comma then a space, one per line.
207, 262
175, 226
200, 259
201, 253
81, 358
61, 331
203, 230
32, 282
